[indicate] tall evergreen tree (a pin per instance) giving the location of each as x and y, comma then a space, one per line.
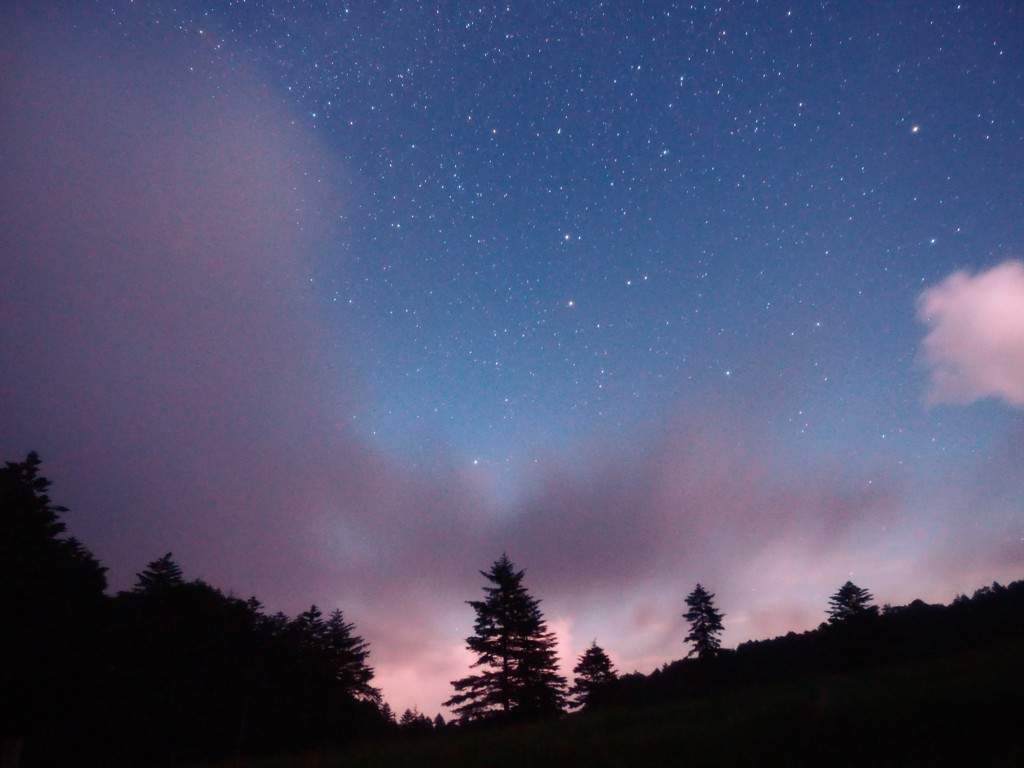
335, 648
28, 515
705, 623
309, 628
182, 676
849, 601
516, 654
52, 621
413, 721
348, 653
594, 672
159, 574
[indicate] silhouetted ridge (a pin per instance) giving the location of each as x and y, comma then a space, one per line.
175, 670
168, 671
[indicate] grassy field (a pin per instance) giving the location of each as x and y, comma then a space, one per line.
962, 711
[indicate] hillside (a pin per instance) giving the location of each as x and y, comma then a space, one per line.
957, 710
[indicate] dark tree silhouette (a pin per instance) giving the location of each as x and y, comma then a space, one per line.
309, 629
344, 653
52, 619
331, 647
183, 654
29, 516
594, 673
849, 601
169, 671
516, 654
705, 623
409, 717
159, 574
413, 721
348, 653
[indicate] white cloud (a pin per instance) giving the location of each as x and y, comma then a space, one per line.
975, 342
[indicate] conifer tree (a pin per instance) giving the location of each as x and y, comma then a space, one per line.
414, 721
849, 601
409, 717
705, 623
52, 616
594, 672
159, 574
308, 628
342, 653
28, 516
516, 654
348, 653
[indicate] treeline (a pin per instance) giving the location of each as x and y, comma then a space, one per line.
869, 637
174, 670
170, 670
517, 674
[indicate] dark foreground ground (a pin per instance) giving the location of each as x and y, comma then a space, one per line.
966, 710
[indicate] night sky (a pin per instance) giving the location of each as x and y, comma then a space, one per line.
338, 302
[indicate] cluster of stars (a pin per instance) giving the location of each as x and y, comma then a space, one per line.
508, 160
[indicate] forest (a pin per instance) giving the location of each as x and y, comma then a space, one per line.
174, 671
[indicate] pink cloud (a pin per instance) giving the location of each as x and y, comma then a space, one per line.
975, 342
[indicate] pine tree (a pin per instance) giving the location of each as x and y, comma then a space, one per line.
337, 650
414, 721
705, 623
849, 601
309, 628
594, 673
409, 717
516, 654
348, 653
159, 574
27, 516
52, 621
